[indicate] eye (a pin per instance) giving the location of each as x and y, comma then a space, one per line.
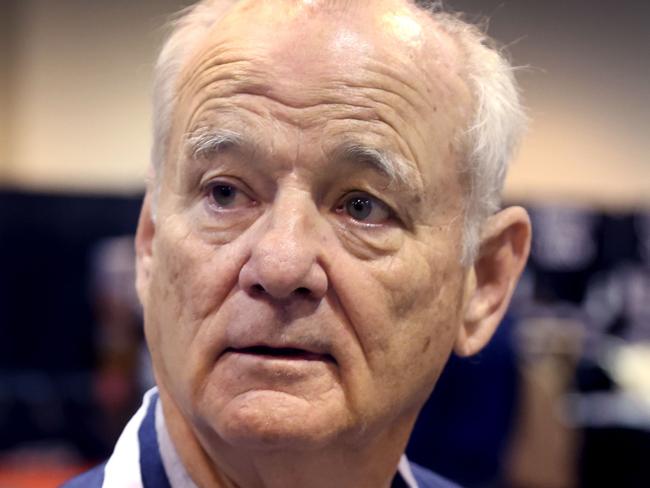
364, 208
227, 196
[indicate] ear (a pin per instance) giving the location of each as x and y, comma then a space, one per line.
504, 248
144, 247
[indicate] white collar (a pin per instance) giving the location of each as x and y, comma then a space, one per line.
176, 472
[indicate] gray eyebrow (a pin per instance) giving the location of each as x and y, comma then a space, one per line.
204, 143
394, 166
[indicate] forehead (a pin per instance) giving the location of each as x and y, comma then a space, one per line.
376, 61
312, 41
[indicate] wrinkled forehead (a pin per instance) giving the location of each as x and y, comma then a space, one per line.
306, 40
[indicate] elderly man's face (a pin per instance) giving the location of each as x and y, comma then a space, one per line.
303, 283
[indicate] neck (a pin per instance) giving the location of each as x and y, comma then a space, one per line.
211, 462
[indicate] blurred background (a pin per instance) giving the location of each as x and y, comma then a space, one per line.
561, 397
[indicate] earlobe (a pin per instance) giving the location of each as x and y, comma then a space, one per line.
144, 247
505, 244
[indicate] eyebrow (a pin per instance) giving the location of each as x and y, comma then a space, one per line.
395, 167
205, 143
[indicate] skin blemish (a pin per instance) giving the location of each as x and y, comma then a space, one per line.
403, 26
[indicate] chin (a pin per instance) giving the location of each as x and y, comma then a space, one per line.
270, 420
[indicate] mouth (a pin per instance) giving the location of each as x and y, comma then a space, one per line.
286, 353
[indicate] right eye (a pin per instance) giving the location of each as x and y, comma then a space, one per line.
227, 196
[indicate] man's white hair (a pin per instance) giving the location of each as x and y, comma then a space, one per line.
488, 144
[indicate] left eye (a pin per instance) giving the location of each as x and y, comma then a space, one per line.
225, 195
364, 208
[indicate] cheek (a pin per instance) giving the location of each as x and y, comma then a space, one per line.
407, 315
190, 280
425, 309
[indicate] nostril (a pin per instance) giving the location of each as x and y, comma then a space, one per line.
302, 291
257, 288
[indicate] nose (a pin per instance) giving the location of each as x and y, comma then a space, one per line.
286, 257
